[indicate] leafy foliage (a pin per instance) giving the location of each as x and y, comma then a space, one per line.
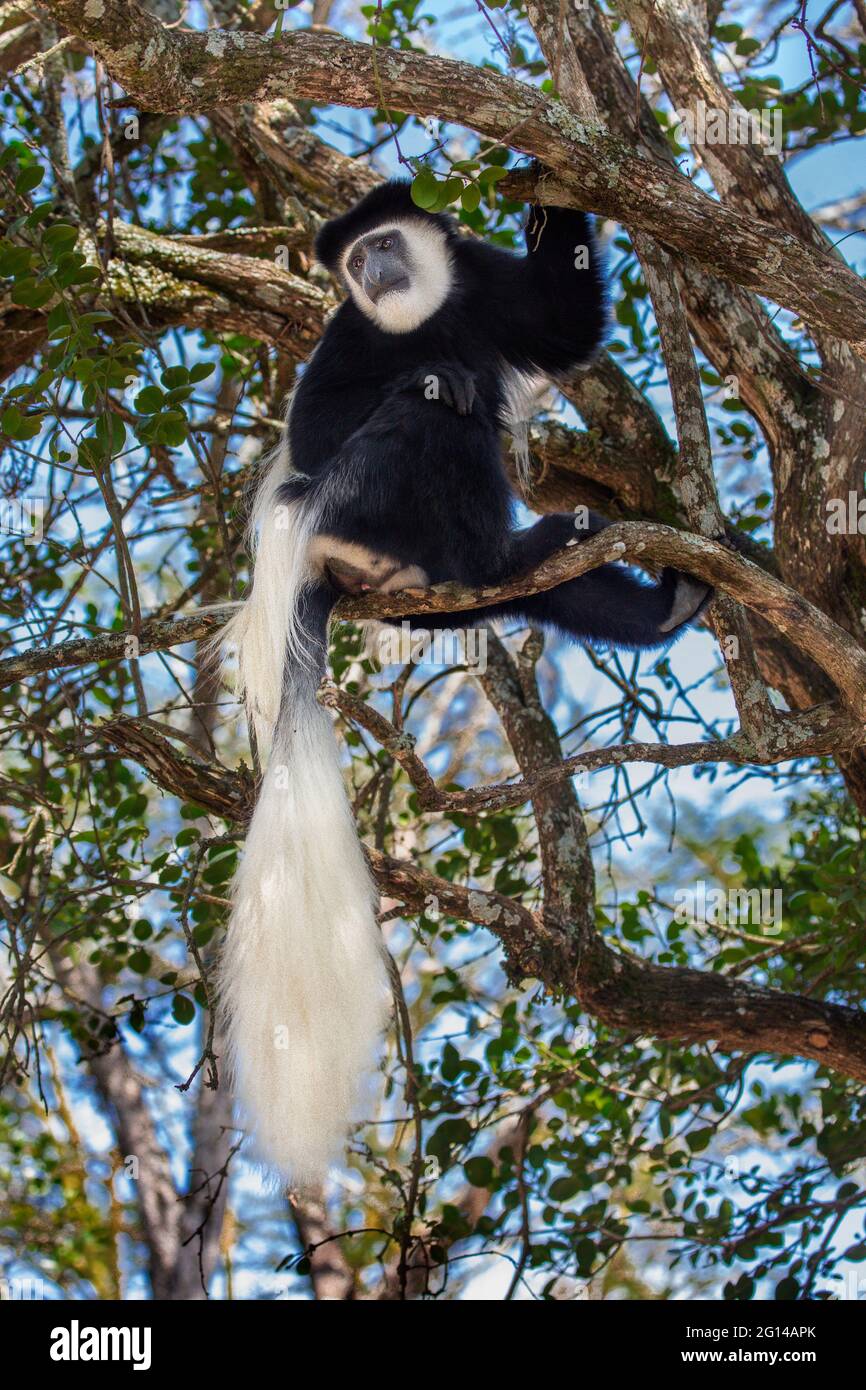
512, 1134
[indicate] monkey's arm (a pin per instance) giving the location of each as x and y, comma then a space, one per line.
548, 311
566, 295
339, 392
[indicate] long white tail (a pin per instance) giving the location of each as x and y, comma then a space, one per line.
303, 980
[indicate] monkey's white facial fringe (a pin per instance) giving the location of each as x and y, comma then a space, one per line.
266, 630
431, 279
303, 980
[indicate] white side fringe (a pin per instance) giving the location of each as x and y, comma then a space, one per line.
302, 977
265, 630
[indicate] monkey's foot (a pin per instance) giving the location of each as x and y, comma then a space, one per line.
690, 598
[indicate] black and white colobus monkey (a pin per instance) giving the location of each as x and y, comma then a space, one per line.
390, 475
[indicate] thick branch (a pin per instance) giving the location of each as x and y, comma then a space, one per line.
172, 70
730, 324
701, 1006
619, 990
639, 542
745, 172
642, 542
696, 478
221, 791
109, 646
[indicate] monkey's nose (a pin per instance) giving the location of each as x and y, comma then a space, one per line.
381, 281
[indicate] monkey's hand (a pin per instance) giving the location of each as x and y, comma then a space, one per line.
451, 385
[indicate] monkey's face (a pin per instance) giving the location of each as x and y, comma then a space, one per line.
380, 263
399, 274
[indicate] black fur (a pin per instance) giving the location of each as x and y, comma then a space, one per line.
387, 201
417, 480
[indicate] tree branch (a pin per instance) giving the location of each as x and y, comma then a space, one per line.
618, 989
807, 627
178, 71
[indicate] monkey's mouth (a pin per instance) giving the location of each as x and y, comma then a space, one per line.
379, 292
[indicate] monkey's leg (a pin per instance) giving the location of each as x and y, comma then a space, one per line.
609, 604
357, 569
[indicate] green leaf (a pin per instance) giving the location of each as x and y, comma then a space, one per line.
14, 150
149, 401
743, 1289
183, 1009
173, 428
479, 1171
85, 276
449, 1135
31, 292
29, 178
19, 426
40, 214
61, 236
14, 260
425, 189
111, 433
174, 376
58, 322
221, 871
698, 1140
564, 1189
450, 1064
449, 191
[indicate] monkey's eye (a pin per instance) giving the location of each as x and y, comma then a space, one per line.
357, 262
386, 243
